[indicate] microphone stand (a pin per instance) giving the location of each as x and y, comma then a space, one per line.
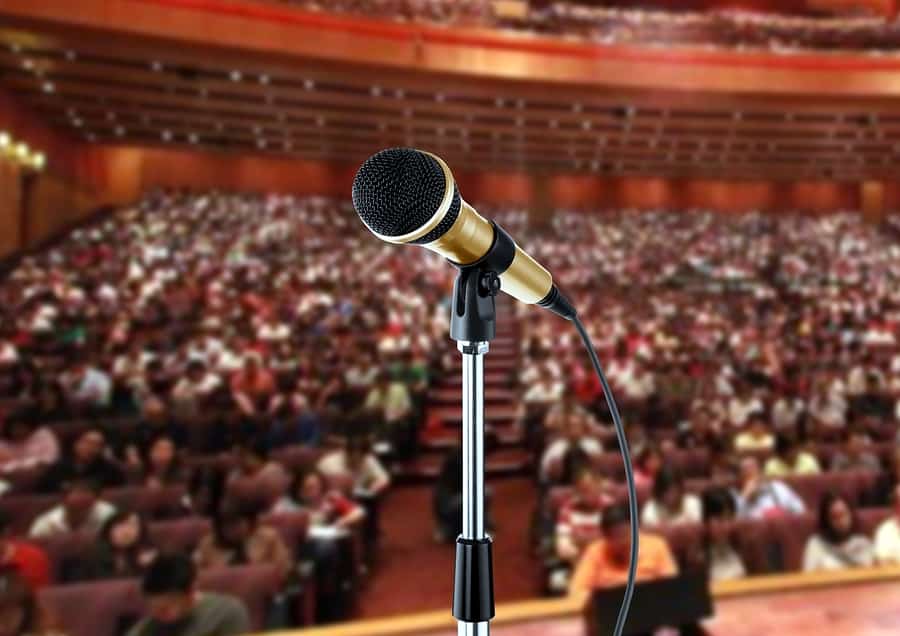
473, 326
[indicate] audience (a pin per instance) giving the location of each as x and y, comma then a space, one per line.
722, 557
239, 538
761, 497
29, 561
670, 504
838, 544
176, 608
26, 443
790, 459
86, 460
887, 537
81, 510
605, 562
856, 454
123, 550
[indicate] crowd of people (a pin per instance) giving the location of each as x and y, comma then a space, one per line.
765, 342
184, 343
259, 360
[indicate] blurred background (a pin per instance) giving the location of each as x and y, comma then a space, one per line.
226, 408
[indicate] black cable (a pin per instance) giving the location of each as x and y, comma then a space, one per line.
629, 474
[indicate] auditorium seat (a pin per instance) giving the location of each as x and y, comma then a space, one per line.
105, 608
293, 527
871, 518
22, 510
812, 488
168, 502
791, 534
297, 458
93, 609
179, 535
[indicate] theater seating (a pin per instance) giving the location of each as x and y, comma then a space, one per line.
104, 608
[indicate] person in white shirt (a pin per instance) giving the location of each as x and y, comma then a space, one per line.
80, 510
191, 392
887, 537
356, 462
574, 438
723, 560
837, 545
87, 387
670, 504
763, 498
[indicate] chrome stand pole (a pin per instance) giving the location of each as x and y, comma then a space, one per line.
473, 458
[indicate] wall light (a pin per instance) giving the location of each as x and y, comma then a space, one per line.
5, 140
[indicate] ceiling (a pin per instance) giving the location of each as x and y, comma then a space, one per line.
120, 91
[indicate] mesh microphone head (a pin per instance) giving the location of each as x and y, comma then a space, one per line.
397, 191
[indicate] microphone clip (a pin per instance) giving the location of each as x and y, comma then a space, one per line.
474, 311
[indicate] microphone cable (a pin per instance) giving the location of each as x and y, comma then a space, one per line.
629, 474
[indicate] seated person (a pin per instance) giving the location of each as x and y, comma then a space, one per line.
580, 516
238, 538
327, 508
81, 509
28, 560
87, 459
356, 461
887, 537
756, 436
648, 462
670, 504
253, 462
791, 459
253, 388
20, 612
760, 497
25, 444
86, 387
837, 545
721, 557
605, 563
856, 454
193, 392
123, 551
574, 435
176, 608
162, 465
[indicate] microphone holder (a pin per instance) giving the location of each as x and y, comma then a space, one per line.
473, 326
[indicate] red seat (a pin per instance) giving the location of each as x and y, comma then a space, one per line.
154, 503
180, 535
791, 534
297, 458
93, 609
255, 585
871, 518
23, 509
292, 527
754, 539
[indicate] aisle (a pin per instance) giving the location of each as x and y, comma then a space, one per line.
414, 574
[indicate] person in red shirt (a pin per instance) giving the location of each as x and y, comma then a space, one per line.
27, 559
253, 388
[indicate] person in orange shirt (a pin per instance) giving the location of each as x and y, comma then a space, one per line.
605, 562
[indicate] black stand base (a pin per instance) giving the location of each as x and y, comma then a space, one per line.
473, 583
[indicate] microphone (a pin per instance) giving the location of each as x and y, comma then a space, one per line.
407, 196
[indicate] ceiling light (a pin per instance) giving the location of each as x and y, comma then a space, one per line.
28, 64
22, 151
261, 143
375, 91
309, 84
586, 124
156, 66
166, 135
193, 138
48, 87
38, 161
236, 76
5, 140
78, 123
264, 79
71, 55
120, 131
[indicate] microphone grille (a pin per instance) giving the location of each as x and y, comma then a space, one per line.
397, 190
